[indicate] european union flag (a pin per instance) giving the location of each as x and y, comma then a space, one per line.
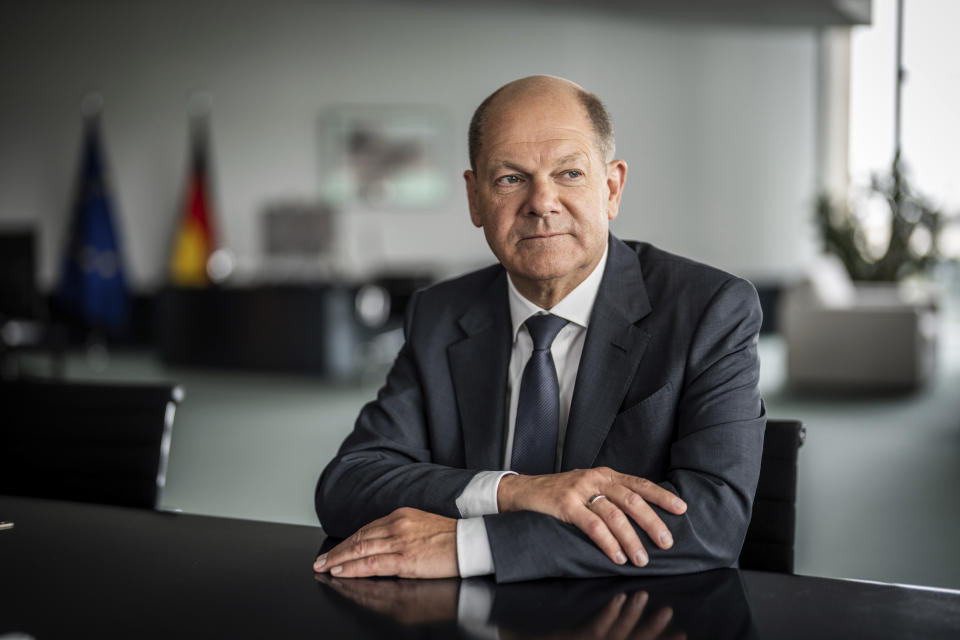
92, 287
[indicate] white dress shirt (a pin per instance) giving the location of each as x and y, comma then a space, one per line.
479, 497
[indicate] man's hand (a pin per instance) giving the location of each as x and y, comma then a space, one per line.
566, 496
408, 543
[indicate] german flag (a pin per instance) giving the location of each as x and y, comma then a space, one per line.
194, 240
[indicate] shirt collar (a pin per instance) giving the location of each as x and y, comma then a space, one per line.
575, 307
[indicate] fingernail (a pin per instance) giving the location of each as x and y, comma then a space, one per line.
336, 570
322, 560
641, 558
666, 540
680, 505
620, 558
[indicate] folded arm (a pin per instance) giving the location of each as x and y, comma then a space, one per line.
714, 465
386, 462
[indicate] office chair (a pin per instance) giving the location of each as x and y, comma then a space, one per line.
86, 442
24, 317
769, 543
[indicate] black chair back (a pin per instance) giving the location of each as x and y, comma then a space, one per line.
19, 296
769, 543
86, 442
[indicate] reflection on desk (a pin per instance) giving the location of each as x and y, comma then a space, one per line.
707, 605
74, 570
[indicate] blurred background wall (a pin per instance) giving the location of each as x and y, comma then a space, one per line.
718, 123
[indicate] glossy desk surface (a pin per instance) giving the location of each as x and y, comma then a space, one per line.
77, 571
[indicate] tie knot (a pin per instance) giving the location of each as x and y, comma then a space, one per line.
543, 329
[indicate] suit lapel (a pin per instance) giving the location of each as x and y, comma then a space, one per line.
479, 367
612, 351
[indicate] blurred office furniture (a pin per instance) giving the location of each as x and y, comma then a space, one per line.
868, 337
769, 543
24, 318
306, 329
86, 442
769, 294
324, 329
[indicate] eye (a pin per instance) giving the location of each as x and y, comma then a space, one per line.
508, 180
573, 174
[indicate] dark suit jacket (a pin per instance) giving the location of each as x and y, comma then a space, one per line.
666, 390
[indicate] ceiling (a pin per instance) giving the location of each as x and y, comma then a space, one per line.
749, 12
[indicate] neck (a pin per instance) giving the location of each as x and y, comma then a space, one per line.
546, 294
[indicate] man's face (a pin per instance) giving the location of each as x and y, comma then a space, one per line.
542, 192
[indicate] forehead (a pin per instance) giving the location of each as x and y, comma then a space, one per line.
539, 151
544, 123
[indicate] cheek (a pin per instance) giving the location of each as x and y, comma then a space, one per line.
497, 217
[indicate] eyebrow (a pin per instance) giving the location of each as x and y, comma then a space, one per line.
569, 158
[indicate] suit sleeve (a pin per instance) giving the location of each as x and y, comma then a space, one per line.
714, 464
385, 463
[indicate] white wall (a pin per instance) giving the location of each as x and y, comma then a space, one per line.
718, 124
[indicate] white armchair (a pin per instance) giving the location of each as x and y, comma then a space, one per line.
841, 335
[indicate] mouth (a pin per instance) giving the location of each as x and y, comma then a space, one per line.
543, 236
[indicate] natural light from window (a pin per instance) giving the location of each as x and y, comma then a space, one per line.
930, 125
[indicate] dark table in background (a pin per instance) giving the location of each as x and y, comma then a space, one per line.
76, 571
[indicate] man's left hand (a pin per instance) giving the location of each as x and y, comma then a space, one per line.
408, 543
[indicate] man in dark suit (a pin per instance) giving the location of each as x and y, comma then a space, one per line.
586, 407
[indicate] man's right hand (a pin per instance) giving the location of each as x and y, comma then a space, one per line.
566, 496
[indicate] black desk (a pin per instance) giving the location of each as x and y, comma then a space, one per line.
76, 571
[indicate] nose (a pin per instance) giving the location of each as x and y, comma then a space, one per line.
544, 198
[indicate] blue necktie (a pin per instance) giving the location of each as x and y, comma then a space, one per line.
538, 405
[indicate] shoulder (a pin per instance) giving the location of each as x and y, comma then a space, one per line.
667, 274
684, 292
460, 292
446, 301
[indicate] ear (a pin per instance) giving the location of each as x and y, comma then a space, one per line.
470, 178
616, 178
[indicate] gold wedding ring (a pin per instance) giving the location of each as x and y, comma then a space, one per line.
595, 497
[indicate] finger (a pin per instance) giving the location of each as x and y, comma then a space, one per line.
322, 563
379, 528
598, 531
654, 627
385, 564
600, 626
618, 523
629, 616
655, 494
354, 548
643, 514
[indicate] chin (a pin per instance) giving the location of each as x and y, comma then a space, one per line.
546, 267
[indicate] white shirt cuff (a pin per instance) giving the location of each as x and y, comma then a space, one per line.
474, 557
479, 497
